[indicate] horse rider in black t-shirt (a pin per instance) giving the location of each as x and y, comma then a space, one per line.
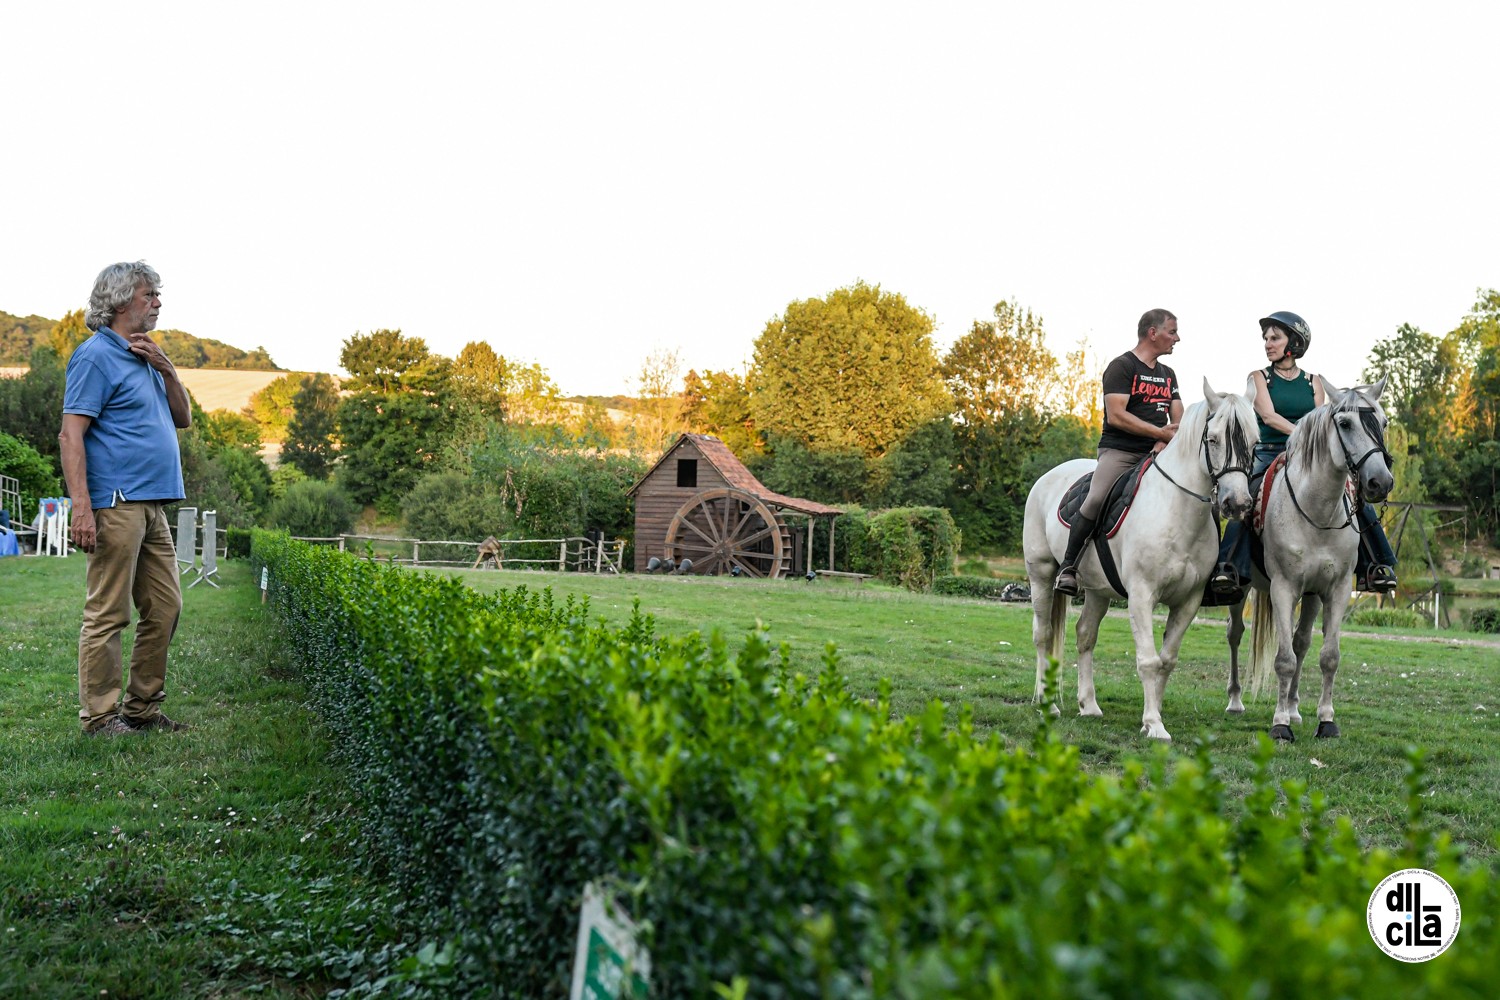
1142, 408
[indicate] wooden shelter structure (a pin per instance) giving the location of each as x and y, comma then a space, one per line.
700, 503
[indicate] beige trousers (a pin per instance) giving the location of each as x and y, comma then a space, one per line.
133, 561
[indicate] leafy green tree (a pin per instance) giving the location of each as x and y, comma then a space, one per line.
310, 446
395, 424
1006, 386
69, 332
21, 335
1477, 344
1421, 372
839, 476
208, 484
31, 406
223, 430
918, 471
855, 370
548, 491
271, 407
532, 398
718, 403
480, 377
386, 361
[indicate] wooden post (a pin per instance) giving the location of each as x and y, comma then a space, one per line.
831, 522
416, 552
562, 557
599, 556
342, 539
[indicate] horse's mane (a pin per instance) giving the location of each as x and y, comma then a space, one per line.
1308, 442
1195, 419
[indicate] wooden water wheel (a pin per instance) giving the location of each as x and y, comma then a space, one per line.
722, 528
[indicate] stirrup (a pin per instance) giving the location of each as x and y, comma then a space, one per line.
1226, 581
1380, 578
1067, 581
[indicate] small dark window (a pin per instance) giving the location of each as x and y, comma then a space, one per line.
687, 472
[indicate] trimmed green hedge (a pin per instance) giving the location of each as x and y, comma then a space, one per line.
1387, 617
771, 827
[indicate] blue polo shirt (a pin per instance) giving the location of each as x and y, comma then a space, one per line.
131, 447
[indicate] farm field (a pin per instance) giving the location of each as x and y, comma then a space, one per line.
1394, 690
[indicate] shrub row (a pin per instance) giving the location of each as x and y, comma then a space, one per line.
970, 586
906, 546
774, 828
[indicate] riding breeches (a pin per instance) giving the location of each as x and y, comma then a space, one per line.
1113, 464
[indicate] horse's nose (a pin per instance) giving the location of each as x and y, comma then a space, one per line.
1379, 486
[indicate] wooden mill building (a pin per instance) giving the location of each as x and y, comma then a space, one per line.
700, 503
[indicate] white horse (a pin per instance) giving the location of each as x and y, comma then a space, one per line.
1165, 550
1310, 542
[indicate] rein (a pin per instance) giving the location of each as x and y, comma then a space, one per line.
1238, 461
1351, 467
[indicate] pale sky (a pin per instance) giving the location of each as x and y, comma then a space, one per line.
581, 183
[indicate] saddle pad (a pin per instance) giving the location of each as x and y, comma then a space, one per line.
1116, 503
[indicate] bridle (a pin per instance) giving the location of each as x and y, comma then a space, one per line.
1238, 460
1351, 465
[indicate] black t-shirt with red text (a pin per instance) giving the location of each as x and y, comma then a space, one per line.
1151, 392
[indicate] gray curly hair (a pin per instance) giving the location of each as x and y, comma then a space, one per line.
114, 287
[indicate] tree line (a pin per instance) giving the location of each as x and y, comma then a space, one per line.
846, 400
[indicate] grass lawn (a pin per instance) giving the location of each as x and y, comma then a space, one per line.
218, 862
1435, 691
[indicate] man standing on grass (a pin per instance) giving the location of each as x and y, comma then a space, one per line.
122, 466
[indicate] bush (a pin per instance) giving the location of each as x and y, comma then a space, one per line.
911, 546
1486, 619
774, 827
969, 586
450, 505
236, 543
313, 509
1387, 618
32, 470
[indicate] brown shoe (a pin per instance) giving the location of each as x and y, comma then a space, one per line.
114, 726
158, 723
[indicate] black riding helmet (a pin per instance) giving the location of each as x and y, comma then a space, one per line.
1298, 333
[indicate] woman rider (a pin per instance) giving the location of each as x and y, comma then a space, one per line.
1284, 394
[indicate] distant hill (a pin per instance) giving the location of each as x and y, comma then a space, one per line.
19, 336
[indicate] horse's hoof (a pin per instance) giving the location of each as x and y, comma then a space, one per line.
1283, 733
1235, 708
1328, 730
1090, 712
1159, 733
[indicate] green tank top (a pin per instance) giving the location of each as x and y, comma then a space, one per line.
1290, 398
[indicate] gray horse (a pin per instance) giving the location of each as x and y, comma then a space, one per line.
1310, 540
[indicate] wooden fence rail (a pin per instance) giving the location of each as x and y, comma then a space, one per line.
580, 555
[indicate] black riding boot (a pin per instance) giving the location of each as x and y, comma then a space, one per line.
1078, 535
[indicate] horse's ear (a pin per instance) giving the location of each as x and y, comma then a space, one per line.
1330, 391
1250, 388
1377, 389
1212, 397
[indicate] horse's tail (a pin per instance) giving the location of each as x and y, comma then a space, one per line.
1262, 643
1060, 604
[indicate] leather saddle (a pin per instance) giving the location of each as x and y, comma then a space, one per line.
1116, 503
